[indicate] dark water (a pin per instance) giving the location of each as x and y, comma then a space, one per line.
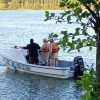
23, 86
16, 28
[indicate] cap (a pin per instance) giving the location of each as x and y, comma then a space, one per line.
44, 39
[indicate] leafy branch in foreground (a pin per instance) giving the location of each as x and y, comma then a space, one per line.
79, 15
75, 43
90, 83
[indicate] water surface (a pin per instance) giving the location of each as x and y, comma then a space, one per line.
16, 28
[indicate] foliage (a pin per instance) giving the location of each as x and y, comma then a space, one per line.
90, 83
76, 11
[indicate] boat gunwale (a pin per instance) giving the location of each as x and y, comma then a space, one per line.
38, 66
44, 74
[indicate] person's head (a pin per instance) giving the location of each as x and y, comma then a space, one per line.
31, 40
15, 47
44, 40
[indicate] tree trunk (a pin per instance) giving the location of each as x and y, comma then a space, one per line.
98, 56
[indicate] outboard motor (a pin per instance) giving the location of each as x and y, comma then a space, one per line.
78, 64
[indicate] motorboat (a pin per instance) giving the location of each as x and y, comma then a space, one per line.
15, 58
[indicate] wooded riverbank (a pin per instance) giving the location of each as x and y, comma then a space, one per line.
31, 4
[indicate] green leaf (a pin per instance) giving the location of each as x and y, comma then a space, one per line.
88, 38
85, 14
92, 43
86, 96
77, 29
77, 11
84, 69
73, 42
79, 82
78, 50
78, 46
68, 12
65, 39
84, 32
68, 18
62, 4
79, 40
47, 15
64, 33
95, 36
70, 34
47, 12
80, 18
45, 19
55, 35
90, 48
52, 14
76, 33
73, 47
84, 40
62, 15
72, 5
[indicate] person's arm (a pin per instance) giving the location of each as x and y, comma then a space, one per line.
27, 47
38, 47
58, 48
43, 47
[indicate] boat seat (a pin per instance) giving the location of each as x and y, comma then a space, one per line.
62, 63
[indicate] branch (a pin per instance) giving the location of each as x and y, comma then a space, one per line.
92, 22
97, 10
88, 45
80, 47
93, 14
76, 23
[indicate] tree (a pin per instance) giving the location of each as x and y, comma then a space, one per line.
92, 14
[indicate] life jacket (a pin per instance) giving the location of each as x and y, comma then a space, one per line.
47, 48
55, 50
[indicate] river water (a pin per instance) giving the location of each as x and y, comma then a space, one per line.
17, 27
